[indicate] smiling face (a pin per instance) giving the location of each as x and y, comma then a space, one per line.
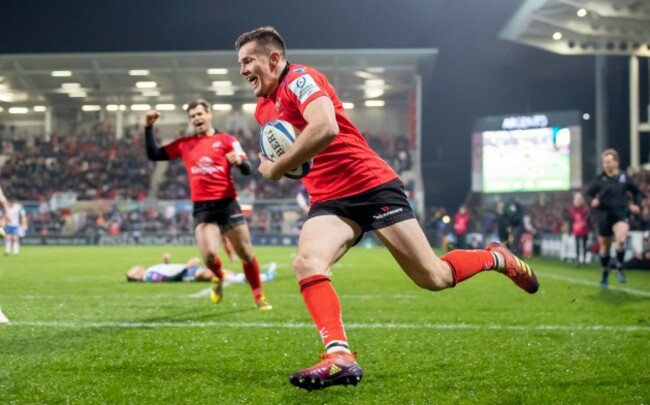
259, 68
201, 120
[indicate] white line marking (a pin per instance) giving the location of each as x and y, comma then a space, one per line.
593, 284
299, 325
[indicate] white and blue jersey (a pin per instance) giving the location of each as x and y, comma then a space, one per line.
169, 272
14, 215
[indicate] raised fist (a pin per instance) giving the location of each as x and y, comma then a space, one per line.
152, 117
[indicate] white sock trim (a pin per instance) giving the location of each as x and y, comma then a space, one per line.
338, 346
500, 260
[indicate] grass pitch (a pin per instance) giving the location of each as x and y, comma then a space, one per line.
79, 333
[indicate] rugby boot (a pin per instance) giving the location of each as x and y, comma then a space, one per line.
216, 290
262, 304
338, 368
515, 269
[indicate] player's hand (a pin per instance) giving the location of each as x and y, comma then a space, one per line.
265, 168
233, 158
595, 203
152, 116
634, 209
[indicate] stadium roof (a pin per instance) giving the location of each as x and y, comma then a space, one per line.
72, 80
583, 27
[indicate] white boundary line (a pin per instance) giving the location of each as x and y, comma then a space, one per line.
298, 325
593, 284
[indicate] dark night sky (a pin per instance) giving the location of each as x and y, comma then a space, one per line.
476, 74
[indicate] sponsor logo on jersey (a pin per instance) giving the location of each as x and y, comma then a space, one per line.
205, 165
303, 87
387, 213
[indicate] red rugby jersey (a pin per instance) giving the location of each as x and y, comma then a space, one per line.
205, 161
347, 166
580, 224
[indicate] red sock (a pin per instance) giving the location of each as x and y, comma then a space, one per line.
215, 268
252, 272
325, 309
466, 263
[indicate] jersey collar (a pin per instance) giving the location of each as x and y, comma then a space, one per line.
283, 74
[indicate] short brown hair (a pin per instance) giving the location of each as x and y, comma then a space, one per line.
266, 37
199, 101
610, 152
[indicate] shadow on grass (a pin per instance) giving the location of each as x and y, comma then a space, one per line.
613, 296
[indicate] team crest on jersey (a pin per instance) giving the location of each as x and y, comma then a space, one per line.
303, 87
622, 178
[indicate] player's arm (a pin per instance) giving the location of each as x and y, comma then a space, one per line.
320, 131
237, 157
154, 151
637, 196
592, 193
4, 203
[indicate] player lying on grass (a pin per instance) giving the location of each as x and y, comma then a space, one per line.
190, 271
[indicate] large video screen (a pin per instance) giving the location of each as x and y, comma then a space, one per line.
521, 158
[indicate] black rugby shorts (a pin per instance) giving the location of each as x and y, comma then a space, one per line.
376, 208
225, 213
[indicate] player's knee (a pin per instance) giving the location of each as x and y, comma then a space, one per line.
433, 283
304, 266
209, 258
245, 253
434, 278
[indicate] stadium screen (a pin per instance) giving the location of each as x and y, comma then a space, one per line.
540, 152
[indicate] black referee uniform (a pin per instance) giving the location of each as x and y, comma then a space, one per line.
614, 196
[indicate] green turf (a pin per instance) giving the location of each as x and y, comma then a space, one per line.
80, 334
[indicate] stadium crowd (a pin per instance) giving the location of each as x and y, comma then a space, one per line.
96, 167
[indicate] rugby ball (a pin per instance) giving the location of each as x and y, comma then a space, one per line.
276, 137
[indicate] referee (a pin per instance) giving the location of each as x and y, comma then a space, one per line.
610, 197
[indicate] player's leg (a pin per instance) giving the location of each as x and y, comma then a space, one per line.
583, 243
208, 236
11, 231
406, 242
410, 248
227, 247
604, 246
621, 230
240, 238
323, 240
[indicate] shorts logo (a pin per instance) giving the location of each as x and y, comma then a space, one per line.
386, 212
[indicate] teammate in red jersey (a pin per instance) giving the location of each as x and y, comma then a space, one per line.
208, 157
579, 226
352, 191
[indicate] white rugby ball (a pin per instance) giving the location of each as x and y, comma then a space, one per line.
276, 137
